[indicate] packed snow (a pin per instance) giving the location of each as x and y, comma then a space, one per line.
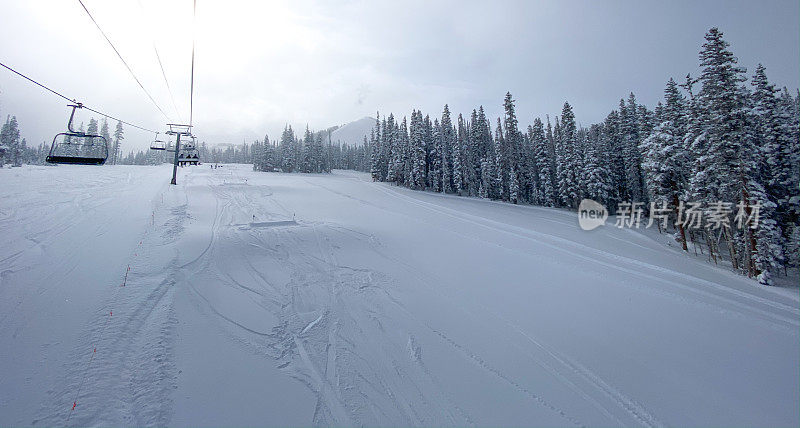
296, 299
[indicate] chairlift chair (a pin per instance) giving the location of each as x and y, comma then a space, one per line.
77, 148
189, 153
158, 144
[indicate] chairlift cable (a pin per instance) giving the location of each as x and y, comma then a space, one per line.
122, 59
191, 85
37, 83
166, 82
160, 64
72, 100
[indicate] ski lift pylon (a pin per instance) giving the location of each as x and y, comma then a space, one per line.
77, 148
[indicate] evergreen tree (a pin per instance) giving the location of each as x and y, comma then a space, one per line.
436, 156
417, 148
665, 158
104, 132
375, 143
447, 136
395, 154
630, 130
490, 182
287, 149
459, 159
500, 176
477, 148
10, 142
544, 162
775, 137
405, 158
427, 136
508, 156
725, 170
513, 186
599, 185
568, 183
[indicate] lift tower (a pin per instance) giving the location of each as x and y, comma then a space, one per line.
176, 129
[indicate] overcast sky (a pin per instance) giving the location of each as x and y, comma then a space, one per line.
261, 64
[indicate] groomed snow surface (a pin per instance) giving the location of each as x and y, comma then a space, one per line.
292, 300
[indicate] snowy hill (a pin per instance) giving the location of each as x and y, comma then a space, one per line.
239, 298
353, 133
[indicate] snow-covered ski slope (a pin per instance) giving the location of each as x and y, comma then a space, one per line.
292, 300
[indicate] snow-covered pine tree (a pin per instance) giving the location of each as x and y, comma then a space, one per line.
95, 150
726, 170
428, 142
405, 157
630, 133
579, 163
612, 145
269, 159
599, 185
93, 127
435, 174
306, 161
776, 137
317, 162
530, 185
375, 143
417, 149
490, 183
258, 155
568, 183
287, 149
448, 141
500, 188
789, 113
510, 157
394, 155
10, 141
459, 158
104, 132
119, 135
543, 162
513, 186
475, 150
665, 160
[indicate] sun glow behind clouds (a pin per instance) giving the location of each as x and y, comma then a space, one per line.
255, 61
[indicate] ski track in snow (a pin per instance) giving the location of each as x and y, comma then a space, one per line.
324, 300
726, 295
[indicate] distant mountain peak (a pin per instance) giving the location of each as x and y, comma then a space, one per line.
353, 133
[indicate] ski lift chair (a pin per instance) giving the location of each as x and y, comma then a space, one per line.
158, 144
77, 148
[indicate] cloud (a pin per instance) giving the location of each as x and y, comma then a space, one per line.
262, 64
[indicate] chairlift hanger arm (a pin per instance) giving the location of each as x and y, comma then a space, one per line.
72, 116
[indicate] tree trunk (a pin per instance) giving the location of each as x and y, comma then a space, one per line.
676, 202
712, 252
731, 248
752, 269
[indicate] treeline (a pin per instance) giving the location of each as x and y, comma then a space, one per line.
14, 149
228, 153
313, 153
713, 139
